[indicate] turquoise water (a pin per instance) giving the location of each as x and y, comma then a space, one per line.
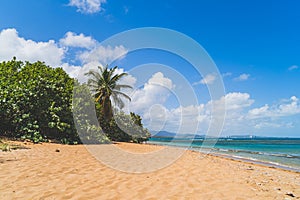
281, 152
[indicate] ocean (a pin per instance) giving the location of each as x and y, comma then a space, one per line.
276, 152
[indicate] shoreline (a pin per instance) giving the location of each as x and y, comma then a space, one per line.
258, 162
236, 157
47, 171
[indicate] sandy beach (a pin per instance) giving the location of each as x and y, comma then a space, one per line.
54, 171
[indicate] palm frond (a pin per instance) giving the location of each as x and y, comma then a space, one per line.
118, 101
103, 84
122, 94
122, 86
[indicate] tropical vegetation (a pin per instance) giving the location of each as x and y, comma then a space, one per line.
36, 103
105, 87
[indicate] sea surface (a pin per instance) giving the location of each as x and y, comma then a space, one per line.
276, 152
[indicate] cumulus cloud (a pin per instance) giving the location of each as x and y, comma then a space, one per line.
155, 91
263, 125
103, 54
240, 116
258, 112
237, 100
286, 108
28, 50
159, 79
150, 100
293, 67
53, 53
126, 80
73, 40
233, 101
208, 79
79, 71
92, 55
87, 6
242, 77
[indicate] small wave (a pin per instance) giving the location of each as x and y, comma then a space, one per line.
224, 150
259, 161
259, 153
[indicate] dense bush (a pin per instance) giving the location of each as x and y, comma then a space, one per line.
36, 103
85, 118
125, 128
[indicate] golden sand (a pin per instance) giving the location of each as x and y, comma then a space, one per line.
53, 171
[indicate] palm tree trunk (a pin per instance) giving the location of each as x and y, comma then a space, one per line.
107, 109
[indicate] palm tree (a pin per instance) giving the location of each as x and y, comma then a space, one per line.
104, 85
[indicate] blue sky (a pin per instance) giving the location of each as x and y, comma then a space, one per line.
255, 45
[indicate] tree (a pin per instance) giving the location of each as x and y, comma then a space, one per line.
87, 126
104, 85
37, 103
106, 89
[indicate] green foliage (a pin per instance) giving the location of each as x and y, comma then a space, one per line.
4, 146
85, 117
120, 127
124, 128
35, 102
104, 86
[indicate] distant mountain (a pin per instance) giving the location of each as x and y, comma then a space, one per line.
162, 134
172, 135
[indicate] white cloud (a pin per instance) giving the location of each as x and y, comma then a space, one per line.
258, 112
127, 80
53, 53
242, 77
208, 79
287, 108
95, 55
87, 6
291, 108
185, 119
149, 101
267, 125
79, 71
73, 40
237, 100
240, 118
155, 91
293, 67
227, 74
159, 79
234, 101
28, 50
102, 54
263, 125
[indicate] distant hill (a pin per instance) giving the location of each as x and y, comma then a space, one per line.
167, 134
162, 134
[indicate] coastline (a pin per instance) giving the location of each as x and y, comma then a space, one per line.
258, 162
239, 158
47, 171
280, 158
